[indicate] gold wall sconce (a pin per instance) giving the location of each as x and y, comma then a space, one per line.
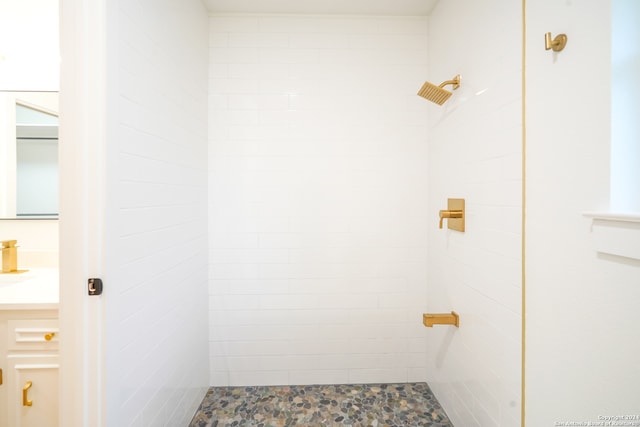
454, 214
557, 44
430, 319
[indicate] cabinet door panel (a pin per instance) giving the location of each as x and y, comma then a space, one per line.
42, 375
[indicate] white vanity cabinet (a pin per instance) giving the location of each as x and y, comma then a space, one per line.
29, 359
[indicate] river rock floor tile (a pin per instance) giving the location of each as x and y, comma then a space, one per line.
354, 405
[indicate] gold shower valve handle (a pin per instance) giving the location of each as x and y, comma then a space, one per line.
449, 214
557, 44
454, 215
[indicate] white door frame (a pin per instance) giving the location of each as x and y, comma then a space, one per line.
82, 139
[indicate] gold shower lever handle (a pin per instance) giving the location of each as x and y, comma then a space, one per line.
449, 214
557, 44
454, 215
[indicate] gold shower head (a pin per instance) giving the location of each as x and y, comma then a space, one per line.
437, 94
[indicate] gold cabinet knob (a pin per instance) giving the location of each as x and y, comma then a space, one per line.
25, 394
49, 336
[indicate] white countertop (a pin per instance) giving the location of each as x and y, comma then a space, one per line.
35, 289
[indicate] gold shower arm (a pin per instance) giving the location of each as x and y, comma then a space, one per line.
455, 82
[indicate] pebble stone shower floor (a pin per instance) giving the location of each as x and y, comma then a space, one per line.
354, 405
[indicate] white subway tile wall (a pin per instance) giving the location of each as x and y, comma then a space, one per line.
156, 222
475, 153
317, 199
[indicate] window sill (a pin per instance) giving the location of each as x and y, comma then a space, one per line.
616, 233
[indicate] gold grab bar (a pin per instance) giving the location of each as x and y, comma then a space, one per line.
25, 394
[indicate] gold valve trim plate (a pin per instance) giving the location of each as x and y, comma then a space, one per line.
25, 394
430, 319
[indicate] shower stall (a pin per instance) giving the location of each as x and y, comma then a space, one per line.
299, 144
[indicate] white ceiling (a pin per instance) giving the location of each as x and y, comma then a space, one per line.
324, 7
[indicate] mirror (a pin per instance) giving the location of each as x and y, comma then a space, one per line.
28, 155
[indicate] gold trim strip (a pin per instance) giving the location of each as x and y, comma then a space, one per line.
524, 200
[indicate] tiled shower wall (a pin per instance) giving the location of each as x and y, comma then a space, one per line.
318, 199
155, 212
475, 153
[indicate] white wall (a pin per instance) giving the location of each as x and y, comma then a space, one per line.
37, 241
29, 53
318, 198
475, 146
155, 219
582, 339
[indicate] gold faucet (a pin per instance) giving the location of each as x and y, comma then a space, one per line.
452, 318
10, 257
